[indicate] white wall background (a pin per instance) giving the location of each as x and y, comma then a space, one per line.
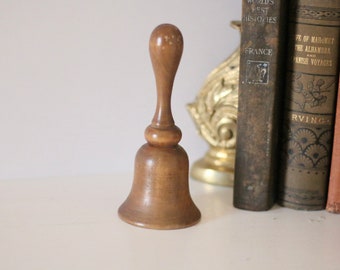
76, 82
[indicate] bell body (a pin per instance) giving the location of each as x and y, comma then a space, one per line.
159, 197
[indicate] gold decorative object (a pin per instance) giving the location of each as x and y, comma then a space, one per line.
215, 114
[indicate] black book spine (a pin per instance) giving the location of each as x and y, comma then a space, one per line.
261, 60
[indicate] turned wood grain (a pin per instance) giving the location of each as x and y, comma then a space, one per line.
160, 197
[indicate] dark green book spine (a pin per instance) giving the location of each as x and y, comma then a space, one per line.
310, 96
261, 60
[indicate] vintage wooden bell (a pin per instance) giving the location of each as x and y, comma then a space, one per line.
159, 197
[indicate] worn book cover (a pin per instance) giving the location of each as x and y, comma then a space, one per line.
261, 60
333, 199
310, 93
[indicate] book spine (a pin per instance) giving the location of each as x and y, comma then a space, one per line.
261, 50
333, 199
310, 95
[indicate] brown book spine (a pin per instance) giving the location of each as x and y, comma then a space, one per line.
310, 95
333, 200
261, 50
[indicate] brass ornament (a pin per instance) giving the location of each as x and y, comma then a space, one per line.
215, 115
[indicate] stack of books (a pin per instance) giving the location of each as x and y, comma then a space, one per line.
288, 123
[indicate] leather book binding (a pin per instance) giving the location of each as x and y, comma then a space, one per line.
309, 106
333, 200
261, 61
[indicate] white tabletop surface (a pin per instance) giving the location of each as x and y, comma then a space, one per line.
72, 223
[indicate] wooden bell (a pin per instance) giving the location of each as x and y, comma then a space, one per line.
159, 197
